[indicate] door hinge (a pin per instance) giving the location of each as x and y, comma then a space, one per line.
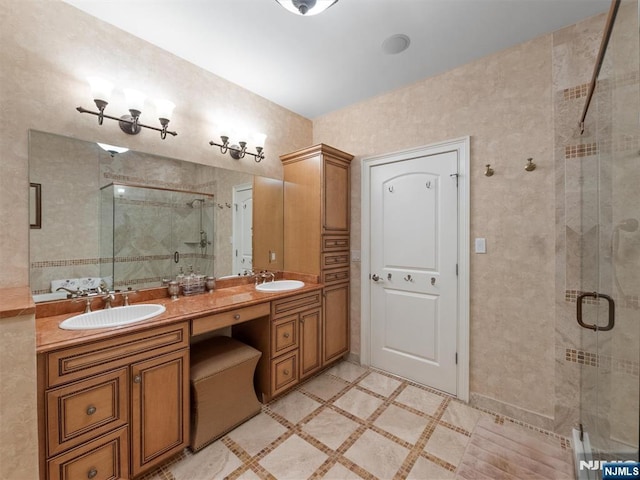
236, 252
456, 269
456, 358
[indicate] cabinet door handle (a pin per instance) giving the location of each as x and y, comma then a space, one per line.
92, 473
236, 316
137, 379
286, 372
286, 335
91, 410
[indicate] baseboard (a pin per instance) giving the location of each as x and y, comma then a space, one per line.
527, 416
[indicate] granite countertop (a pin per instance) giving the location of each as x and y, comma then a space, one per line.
16, 301
50, 337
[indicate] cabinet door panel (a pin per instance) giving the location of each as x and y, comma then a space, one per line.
336, 197
310, 353
336, 321
160, 409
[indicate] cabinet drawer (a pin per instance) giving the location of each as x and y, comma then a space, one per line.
84, 410
226, 319
284, 372
296, 303
284, 335
92, 358
338, 275
331, 243
103, 459
335, 260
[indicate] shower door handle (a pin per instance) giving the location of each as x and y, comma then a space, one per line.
594, 327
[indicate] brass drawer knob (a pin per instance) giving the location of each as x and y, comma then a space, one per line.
286, 372
286, 335
236, 316
137, 379
92, 473
91, 410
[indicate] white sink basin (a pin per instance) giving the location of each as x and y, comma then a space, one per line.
280, 286
113, 317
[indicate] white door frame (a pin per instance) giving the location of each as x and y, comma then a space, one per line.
461, 147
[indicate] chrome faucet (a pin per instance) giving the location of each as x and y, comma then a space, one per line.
74, 293
108, 298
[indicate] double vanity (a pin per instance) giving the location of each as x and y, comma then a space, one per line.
113, 401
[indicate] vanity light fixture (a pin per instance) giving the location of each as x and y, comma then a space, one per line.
240, 150
306, 7
130, 124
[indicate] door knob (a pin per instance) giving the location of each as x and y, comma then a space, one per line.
375, 278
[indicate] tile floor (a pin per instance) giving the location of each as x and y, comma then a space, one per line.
349, 422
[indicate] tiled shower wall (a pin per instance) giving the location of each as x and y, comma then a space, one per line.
596, 189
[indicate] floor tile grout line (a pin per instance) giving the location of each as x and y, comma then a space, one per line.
421, 444
337, 456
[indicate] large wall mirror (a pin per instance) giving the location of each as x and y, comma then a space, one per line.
131, 219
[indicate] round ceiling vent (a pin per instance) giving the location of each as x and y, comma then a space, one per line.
395, 44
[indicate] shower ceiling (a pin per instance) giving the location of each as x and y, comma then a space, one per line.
322, 63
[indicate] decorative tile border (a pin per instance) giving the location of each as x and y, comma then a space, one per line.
628, 301
576, 92
580, 150
617, 365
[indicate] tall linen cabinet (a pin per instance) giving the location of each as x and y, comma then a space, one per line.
316, 239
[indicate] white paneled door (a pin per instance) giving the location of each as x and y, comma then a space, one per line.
242, 228
414, 283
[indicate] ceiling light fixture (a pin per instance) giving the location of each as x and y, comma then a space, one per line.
306, 7
101, 91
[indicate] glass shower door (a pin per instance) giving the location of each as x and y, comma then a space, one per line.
608, 308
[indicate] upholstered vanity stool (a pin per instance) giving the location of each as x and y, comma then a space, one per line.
222, 393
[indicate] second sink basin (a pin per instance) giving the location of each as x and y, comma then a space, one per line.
113, 317
280, 286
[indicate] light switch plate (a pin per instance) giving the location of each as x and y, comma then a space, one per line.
481, 245
355, 255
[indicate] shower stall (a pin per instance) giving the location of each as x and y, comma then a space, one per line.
606, 181
150, 234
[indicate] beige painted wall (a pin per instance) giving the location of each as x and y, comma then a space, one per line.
504, 102
48, 50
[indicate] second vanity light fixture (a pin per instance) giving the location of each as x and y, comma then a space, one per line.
130, 124
240, 150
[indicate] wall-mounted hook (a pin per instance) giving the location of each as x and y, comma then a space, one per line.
530, 166
489, 171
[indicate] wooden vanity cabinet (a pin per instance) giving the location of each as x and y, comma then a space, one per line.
114, 408
289, 341
316, 235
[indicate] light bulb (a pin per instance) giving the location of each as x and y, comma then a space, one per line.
258, 140
100, 89
135, 99
165, 109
